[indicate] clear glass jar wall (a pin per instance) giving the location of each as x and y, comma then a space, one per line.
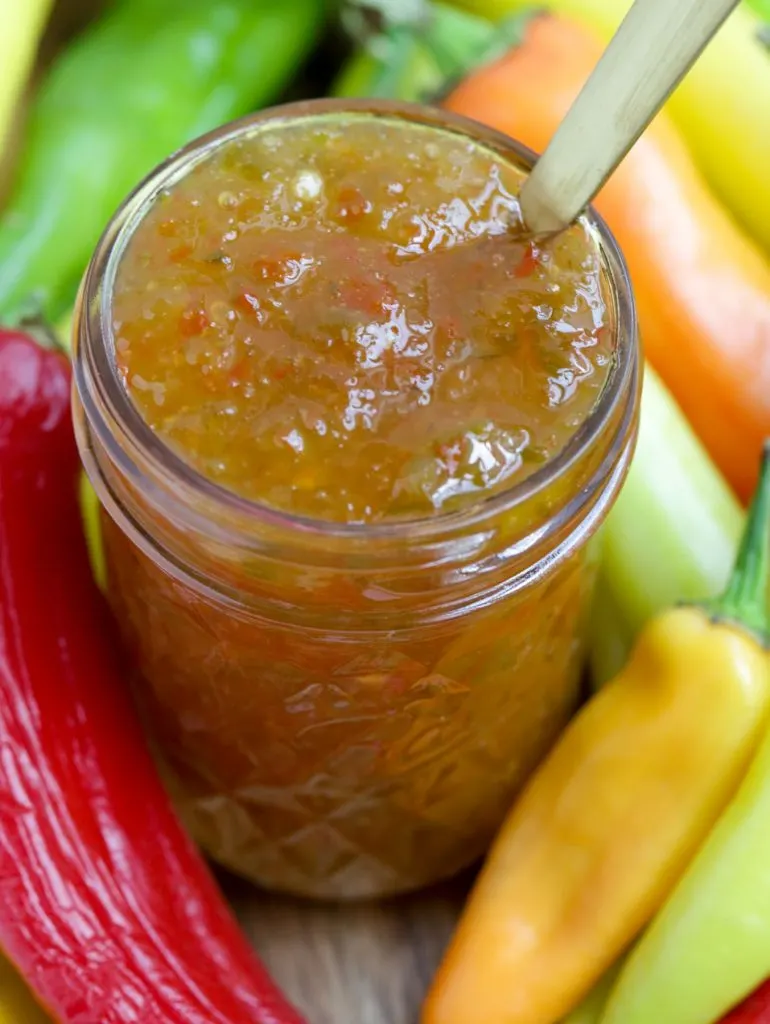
345, 710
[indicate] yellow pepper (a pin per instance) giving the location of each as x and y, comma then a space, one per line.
611, 819
722, 107
22, 27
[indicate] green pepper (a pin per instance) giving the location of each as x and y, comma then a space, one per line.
147, 78
610, 638
674, 529
418, 50
709, 946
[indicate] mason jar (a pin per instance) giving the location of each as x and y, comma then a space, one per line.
345, 710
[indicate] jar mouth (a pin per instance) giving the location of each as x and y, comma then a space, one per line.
129, 443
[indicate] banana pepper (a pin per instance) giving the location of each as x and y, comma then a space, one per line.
23, 26
609, 822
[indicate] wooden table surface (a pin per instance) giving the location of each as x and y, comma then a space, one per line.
359, 964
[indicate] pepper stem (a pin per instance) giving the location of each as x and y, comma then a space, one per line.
745, 598
461, 42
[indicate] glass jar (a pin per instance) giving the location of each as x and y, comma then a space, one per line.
345, 710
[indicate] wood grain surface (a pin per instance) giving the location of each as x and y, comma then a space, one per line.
351, 964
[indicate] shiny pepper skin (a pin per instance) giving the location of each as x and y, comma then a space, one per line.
107, 908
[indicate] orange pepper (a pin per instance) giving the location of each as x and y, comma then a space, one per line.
702, 288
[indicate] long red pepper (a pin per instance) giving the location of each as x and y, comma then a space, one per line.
755, 1009
105, 905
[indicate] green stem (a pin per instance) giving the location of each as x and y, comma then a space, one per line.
363, 19
391, 60
419, 50
461, 42
745, 598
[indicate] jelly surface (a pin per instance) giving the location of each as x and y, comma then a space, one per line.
345, 319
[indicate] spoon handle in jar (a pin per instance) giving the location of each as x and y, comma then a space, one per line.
652, 50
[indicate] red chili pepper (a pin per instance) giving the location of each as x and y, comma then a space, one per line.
106, 906
755, 1009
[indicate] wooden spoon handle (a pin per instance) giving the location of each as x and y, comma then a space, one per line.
652, 50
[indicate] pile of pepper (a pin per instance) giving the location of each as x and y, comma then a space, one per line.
631, 881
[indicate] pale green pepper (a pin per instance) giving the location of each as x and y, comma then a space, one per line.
672, 534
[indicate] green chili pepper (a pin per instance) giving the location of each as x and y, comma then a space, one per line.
674, 530
141, 82
709, 946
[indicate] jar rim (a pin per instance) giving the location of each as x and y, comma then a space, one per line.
129, 441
